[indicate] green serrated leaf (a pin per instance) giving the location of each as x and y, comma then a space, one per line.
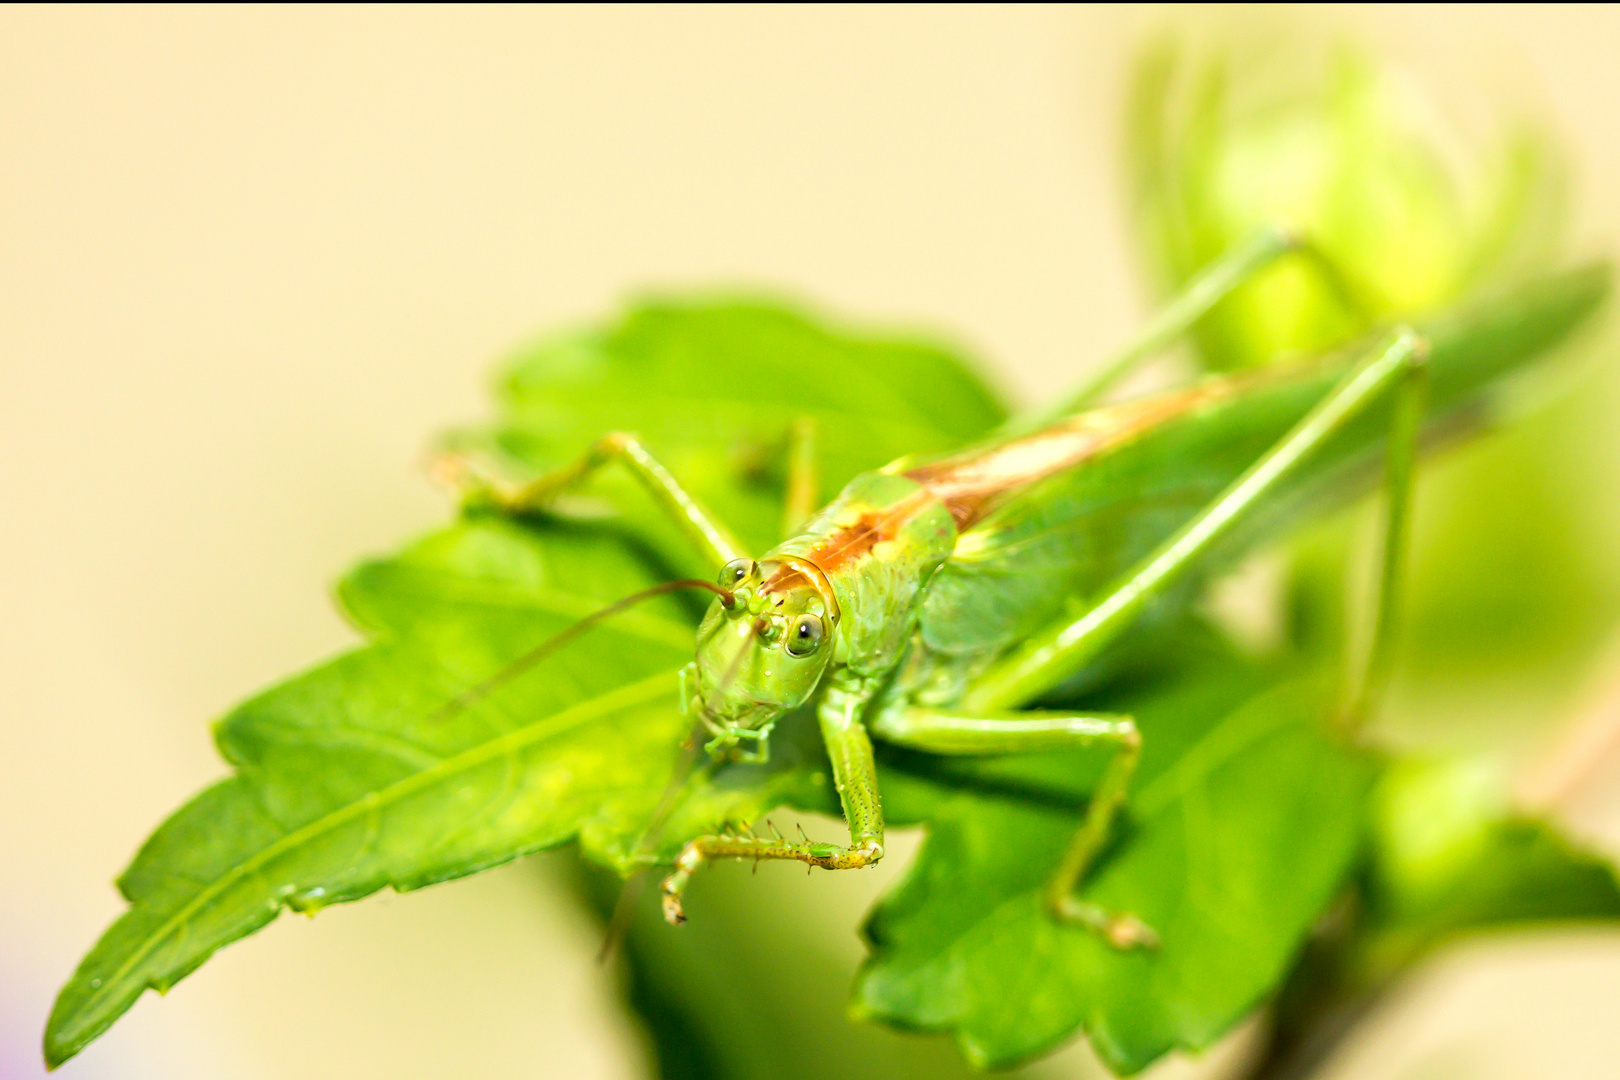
712, 389
1245, 821
354, 776
347, 781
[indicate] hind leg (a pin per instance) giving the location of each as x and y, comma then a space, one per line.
1393, 367
1207, 288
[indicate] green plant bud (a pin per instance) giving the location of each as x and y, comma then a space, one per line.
1413, 207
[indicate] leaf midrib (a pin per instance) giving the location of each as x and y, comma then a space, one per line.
554, 724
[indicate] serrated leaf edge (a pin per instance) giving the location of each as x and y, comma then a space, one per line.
59, 1049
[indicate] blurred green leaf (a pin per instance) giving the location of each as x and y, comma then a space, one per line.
1524, 871
1447, 858
1236, 131
1452, 857
1491, 657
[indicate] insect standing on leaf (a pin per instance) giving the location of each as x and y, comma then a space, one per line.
934, 600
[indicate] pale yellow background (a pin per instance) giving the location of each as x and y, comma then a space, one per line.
250, 259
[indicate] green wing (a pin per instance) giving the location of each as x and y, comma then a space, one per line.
1065, 537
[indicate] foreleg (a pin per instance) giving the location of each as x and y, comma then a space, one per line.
707, 531
855, 776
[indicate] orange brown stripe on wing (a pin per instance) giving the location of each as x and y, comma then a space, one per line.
969, 483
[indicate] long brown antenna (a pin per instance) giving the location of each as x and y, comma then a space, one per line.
523, 663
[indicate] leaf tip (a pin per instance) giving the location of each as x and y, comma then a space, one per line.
58, 1046
54, 1055
977, 1054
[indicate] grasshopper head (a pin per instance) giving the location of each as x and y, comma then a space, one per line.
764, 654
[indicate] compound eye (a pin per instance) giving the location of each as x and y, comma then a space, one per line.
805, 637
736, 571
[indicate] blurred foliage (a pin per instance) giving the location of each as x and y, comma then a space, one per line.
1284, 129
1278, 860
1513, 585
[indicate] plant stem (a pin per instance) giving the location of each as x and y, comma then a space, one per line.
1299, 1051
1349, 969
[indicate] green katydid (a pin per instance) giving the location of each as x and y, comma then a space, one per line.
932, 601
979, 580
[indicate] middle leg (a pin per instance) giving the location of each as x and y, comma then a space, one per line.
941, 731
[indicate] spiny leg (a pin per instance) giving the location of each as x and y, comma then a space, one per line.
1214, 283
940, 731
855, 776
1057, 652
704, 529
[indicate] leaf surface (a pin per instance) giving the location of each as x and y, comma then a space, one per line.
1243, 823
713, 390
353, 776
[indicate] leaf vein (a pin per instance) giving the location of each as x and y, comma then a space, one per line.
179, 922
